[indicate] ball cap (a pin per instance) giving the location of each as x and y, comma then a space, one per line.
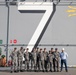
40, 48
44, 48
27, 48
15, 48
56, 48
37, 47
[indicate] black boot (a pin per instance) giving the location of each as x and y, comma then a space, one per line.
11, 72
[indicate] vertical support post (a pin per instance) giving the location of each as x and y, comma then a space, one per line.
7, 4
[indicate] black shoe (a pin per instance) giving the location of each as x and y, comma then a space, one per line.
57, 70
15, 71
27, 70
21, 70
35, 70
54, 70
39, 70
51, 71
60, 70
46, 70
66, 70
11, 72
30, 70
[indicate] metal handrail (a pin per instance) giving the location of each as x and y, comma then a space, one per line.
38, 45
59, 2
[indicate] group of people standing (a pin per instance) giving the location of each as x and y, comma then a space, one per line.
38, 60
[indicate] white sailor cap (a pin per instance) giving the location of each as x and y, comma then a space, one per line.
63, 49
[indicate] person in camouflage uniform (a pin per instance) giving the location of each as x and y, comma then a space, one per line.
57, 56
14, 64
20, 59
26, 56
53, 51
50, 60
41, 60
34, 58
37, 61
45, 59
31, 59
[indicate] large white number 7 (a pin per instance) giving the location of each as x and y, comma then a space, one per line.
37, 6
